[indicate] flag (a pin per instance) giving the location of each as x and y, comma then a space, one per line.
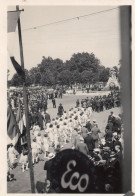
22, 145
12, 19
17, 67
13, 132
19, 119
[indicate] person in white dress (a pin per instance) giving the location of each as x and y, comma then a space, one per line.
24, 162
39, 140
35, 151
46, 144
11, 155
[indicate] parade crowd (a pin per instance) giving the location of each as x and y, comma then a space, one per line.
100, 103
74, 129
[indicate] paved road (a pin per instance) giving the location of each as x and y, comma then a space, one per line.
69, 101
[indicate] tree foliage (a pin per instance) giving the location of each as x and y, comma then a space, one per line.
80, 68
104, 75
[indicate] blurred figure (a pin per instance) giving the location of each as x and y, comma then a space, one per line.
60, 110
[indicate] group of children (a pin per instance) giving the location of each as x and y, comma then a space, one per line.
71, 130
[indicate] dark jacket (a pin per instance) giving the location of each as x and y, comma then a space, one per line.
90, 142
47, 118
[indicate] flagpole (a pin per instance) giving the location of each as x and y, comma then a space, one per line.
26, 110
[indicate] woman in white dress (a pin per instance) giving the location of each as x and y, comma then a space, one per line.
24, 162
11, 156
35, 151
46, 144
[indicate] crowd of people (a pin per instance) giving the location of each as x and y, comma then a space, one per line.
104, 150
101, 103
74, 129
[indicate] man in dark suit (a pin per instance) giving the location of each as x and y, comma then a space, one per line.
82, 147
111, 117
60, 110
40, 120
88, 125
90, 143
47, 118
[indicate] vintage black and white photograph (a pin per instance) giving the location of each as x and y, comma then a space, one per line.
69, 99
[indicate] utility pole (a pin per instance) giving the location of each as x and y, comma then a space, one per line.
26, 110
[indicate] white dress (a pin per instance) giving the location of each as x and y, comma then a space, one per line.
46, 144
35, 149
23, 159
11, 155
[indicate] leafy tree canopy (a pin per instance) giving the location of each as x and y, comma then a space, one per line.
80, 68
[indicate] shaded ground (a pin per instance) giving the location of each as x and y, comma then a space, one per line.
22, 183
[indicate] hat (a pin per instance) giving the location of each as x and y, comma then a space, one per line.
106, 148
57, 149
107, 127
94, 120
118, 146
81, 139
96, 150
112, 154
39, 134
45, 135
89, 132
51, 155
115, 133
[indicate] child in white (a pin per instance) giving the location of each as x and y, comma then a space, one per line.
46, 145
11, 155
24, 162
35, 151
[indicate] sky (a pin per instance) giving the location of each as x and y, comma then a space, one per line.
99, 33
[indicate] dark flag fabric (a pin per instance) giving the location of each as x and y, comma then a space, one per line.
17, 67
21, 121
13, 132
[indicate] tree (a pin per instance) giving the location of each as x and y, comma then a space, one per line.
80, 68
57, 65
104, 75
35, 75
47, 78
45, 64
8, 74
65, 77
76, 76
87, 77
16, 80
83, 61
